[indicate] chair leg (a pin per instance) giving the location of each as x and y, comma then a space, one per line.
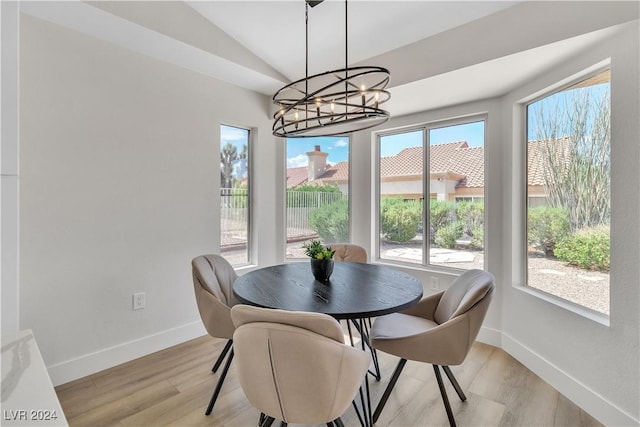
364, 335
374, 353
224, 352
355, 407
454, 383
387, 391
445, 399
219, 386
266, 421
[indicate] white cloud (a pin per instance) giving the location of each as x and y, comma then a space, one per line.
230, 134
298, 161
341, 143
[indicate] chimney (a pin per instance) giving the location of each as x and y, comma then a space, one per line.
317, 163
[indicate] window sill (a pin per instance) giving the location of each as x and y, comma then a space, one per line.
578, 309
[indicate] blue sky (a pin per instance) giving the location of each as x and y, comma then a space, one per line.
338, 147
238, 137
561, 103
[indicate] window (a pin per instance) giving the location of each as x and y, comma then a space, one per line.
454, 184
234, 194
568, 192
317, 192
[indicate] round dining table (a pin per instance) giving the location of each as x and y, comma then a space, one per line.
354, 291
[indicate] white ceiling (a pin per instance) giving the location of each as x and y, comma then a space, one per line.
275, 30
439, 52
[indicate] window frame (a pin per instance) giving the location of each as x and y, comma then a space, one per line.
349, 138
425, 128
252, 132
550, 90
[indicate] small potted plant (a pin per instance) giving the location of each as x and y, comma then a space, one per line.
321, 259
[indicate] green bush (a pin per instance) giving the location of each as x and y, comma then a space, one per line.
587, 248
331, 221
472, 216
446, 236
399, 219
306, 195
547, 226
441, 214
477, 238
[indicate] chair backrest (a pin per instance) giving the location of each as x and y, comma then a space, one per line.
216, 275
213, 278
294, 366
464, 293
348, 252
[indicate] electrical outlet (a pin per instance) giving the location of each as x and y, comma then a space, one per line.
139, 301
435, 284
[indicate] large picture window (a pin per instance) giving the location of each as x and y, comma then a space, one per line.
568, 192
433, 216
317, 199
234, 194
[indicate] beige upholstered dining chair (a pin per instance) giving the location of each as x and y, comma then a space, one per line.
213, 279
348, 252
294, 366
439, 330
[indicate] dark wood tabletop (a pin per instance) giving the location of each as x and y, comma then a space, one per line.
355, 290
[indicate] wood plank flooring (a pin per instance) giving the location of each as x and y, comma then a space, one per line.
172, 388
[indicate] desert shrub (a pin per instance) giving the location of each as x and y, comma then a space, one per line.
331, 221
587, 248
477, 238
446, 236
547, 226
399, 219
441, 214
472, 216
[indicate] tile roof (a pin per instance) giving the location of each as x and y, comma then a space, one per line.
332, 175
297, 176
337, 172
536, 157
453, 157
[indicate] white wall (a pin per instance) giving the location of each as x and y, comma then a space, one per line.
595, 365
119, 158
119, 191
9, 119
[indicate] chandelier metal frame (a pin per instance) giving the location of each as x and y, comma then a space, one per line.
334, 102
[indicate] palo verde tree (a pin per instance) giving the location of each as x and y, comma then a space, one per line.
573, 132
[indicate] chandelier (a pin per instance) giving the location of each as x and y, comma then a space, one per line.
334, 102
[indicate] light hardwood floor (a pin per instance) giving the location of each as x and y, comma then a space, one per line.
173, 386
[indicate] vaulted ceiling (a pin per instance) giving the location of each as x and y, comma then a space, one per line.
439, 52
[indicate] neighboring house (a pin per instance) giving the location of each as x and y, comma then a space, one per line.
457, 173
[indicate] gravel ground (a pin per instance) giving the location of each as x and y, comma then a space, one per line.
587, 288
584, 287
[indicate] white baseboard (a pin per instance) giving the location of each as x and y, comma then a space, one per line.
91, 363
490, 336
590, 401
